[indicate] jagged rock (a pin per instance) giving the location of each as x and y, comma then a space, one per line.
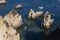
47, 22
19, 6
13, 19
2, 2
34, 15
7, 32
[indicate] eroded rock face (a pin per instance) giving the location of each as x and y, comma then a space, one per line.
8, 25
3, 28
12, 34
13, 19
47, 22
7, 32
34, 15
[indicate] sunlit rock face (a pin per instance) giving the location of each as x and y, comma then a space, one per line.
19, 6
13, 19
7, 32
12, 34
34, 15
3, 2
3, 28
47, 22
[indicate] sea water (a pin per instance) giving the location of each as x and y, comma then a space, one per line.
33, 27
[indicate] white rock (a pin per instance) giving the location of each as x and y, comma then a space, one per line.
3, 2
12, 34
47, 22
7, 32
41, 7
31, 13
19, 6
34, 15
3, 28
14, 19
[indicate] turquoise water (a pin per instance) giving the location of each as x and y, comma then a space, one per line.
33, 29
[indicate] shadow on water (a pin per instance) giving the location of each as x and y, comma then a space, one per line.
55, 35
30, 35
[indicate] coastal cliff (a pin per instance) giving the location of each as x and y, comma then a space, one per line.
8, 25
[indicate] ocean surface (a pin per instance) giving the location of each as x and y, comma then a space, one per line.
33, 27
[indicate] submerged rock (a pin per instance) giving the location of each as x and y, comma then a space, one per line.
19, 6
2, 2
47, 22
34, 15
7, 32
41, 7
13, 19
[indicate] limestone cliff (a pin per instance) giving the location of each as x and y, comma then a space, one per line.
8, 25
13, 19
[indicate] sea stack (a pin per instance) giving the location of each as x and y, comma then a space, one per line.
14, 19
47, 21
19, 6
34, 15
2, 2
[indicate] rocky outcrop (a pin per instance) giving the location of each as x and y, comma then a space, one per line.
7, 32
8, 25
47, 21
13, 19
34, 15
2, 2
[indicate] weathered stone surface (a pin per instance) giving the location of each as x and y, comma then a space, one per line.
7, 32
8, 23
13, 19
47, 22
3, 28
34, 15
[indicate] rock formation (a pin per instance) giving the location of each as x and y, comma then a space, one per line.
47, 22
8, 25
2, 2
34, 15
13, 19
19, 6
41, 7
